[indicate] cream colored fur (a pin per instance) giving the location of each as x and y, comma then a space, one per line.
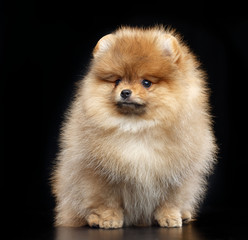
135, 168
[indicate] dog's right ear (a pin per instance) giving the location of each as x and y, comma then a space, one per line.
103, 44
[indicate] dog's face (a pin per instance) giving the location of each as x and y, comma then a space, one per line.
136, 75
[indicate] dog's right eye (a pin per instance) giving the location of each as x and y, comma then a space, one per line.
117, 82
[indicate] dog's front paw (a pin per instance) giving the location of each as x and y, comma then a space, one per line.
107, 223
187, 216
170, 221
107, 219
111, 223
168, 217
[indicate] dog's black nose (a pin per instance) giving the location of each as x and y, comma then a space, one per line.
126, 93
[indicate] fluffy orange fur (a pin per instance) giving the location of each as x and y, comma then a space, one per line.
138, 159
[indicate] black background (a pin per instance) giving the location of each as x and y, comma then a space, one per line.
45, 49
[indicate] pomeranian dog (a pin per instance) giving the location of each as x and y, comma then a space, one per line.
137, 143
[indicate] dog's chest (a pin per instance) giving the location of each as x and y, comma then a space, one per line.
142, 150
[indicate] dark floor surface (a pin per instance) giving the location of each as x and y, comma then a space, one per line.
216, 226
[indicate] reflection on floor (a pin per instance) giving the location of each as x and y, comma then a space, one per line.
187, 232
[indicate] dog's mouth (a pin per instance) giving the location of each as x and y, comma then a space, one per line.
130, 107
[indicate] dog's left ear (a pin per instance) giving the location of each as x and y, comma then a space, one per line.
171, 47
103, 44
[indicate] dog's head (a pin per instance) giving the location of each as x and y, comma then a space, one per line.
137, 74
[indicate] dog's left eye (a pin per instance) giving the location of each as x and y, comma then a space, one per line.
146, 83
